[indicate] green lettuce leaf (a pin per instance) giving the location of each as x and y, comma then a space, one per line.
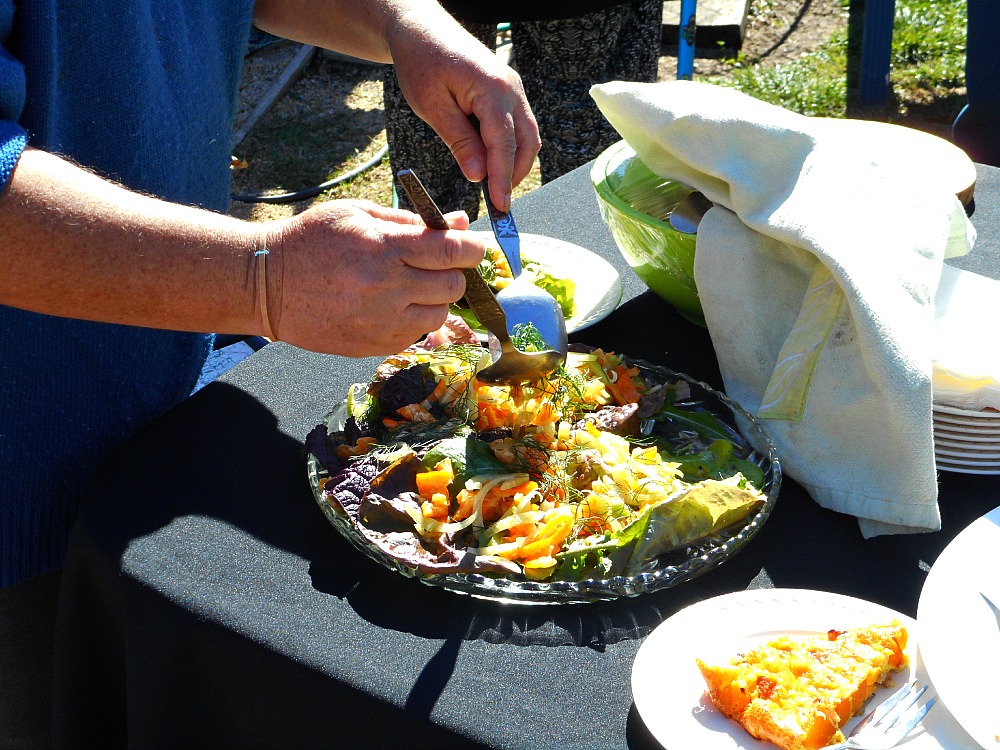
706, 508
563, 290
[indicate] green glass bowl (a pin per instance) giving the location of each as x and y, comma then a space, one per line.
635, 203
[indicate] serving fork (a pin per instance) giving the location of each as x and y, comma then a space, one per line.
891, 721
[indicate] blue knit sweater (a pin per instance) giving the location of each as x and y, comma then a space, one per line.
144, 92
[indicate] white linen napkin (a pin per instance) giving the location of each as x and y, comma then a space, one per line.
817, 272
966, 352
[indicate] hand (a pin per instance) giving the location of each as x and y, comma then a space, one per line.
446, 76
353, 278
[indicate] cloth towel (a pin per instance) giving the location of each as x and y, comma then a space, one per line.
966, 355
817, 271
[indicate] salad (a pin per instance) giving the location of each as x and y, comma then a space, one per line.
594, 472
496, 272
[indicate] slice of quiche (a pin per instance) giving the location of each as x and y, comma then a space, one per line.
798, 692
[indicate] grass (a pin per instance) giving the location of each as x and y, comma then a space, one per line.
928, 50
927, 66
294, 146
814, 85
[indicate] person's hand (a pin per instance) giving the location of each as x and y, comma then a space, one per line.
446, 75
353, 278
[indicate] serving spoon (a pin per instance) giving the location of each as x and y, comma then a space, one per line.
686, 215
512, 366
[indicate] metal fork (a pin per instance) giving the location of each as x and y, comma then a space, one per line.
891, 722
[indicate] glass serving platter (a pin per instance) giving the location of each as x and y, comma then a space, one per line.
669, 569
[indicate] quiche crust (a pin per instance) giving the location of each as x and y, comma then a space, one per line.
797, 693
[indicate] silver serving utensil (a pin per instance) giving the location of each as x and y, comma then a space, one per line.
505, 230
686, 215
513, 365
523, 301
891, 722
993, 607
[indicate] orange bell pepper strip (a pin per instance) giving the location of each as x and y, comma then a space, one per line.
549, 538
435, 481
466, 504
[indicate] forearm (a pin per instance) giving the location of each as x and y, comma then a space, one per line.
362, 28
76, 245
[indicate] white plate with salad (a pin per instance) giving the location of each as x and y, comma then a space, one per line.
586, 286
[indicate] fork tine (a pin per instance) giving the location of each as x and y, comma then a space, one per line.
890, 703
891, 722
902, 706
905, 706
917, 716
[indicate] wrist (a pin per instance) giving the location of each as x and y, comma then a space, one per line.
265, 280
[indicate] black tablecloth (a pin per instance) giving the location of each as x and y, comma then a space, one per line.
206, 602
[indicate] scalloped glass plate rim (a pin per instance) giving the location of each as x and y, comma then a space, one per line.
661, 576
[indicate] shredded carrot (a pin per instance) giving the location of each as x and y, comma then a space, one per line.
627, 391
521, 529
491, 417
466, 500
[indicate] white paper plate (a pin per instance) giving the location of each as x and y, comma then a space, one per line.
968, 461
598, 285
669, 691
978, 451
969, 413
979, 423
955, 469
971, 442
966, 435
982, 430
960, 637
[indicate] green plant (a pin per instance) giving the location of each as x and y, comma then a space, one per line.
814, 85
928, 45
927, 62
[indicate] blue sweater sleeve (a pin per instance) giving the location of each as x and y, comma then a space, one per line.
13, 138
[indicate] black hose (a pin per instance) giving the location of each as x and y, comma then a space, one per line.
312, 192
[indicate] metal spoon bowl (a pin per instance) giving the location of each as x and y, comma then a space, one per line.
517, 367
526, 304
523, 301
687, 215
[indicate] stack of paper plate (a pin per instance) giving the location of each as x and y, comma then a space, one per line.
967, 441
